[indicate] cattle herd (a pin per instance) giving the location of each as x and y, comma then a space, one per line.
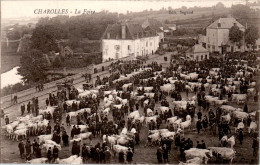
164, 103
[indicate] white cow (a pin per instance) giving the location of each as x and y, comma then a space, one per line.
239, 98
43, 138
38, 161
252, 127
224, 152
74, 159
201, 153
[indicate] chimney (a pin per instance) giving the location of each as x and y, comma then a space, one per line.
123, 31
219, 24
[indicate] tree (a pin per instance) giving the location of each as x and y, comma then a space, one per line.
220, 5
13, 35
44, 38
251, 35
57, 63
33, 66
235, 34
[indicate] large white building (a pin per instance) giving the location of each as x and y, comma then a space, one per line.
217, 36
128, 39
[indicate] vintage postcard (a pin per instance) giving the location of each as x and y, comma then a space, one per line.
130, 82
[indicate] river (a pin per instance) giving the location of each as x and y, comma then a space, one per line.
10, 77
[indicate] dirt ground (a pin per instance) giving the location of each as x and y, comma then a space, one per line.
143, 154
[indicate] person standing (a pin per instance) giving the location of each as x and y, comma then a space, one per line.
49, 156
21, 149
255, 146
107, 155
6, 120
165, 154
199, 114
159, 155
48, 129
203, 145
84, 153
55, 153
199, 126
129, 156
240, 136
28, 149
29, 107
121, 157
65, 138
22, 109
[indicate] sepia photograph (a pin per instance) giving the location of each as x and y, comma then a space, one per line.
130, 82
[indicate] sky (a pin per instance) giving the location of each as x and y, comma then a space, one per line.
24, 8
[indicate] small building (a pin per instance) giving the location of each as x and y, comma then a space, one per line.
68, 51
197, 53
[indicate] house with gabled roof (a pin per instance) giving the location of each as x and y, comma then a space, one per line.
157, 26
128, 39
197, 53
217, 36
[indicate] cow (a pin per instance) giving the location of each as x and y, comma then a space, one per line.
204, 154
74, 159
43, 138
38, 161
231, 141
223, 153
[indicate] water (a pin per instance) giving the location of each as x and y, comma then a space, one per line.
10, 77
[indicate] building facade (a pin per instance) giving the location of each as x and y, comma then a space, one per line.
197, 53
128, 39
217, 36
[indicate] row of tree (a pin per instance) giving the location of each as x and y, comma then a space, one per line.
250, 35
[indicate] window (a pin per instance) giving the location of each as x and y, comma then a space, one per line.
238, 47
108, 35
129, 47
117, 47
206, 56
208, 46
151, 43
201, 57
146, 43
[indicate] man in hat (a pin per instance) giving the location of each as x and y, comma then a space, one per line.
49, 156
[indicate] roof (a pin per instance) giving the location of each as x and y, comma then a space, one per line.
197, 49
154, 24
133, 31
226, 23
